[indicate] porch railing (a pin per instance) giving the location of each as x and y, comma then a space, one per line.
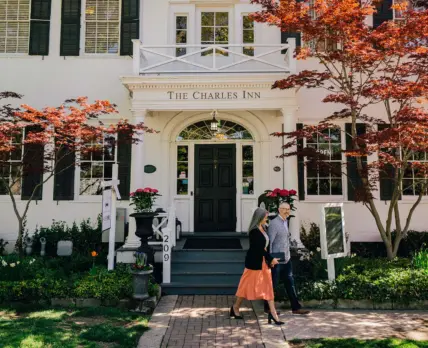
214, 59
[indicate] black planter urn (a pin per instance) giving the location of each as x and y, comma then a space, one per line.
144, 231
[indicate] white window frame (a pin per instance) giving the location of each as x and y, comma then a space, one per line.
329, 198
18, 194
408, 197
83, 33
230, 26
29, 32
176, 15
78, 177
243, 30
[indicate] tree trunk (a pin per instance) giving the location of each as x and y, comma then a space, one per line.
19, 240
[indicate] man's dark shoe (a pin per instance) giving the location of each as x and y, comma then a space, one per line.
301, 311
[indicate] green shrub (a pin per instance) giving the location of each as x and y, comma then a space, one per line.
420, 259
3, 244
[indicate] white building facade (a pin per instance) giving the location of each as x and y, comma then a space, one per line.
171, 64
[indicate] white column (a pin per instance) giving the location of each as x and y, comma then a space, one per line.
137, 173
290, 173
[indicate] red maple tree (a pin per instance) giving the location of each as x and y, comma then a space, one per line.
362, 67
34, 143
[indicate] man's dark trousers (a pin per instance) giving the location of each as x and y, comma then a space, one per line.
279, 270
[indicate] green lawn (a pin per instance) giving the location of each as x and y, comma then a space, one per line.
353, 343
68, 328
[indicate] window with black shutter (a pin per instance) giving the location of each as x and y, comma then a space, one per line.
386, 176
70, 28
383, 13
124, 148
129, 26
354, 180
32, 170
300, 167
286, 35
40, 27
64, 175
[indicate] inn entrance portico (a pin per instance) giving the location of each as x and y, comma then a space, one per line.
180, 108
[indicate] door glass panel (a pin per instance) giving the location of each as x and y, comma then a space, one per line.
182, 170
247, 170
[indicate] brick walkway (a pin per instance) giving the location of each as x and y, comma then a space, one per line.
203, 321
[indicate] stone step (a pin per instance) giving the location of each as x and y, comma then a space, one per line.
177, 288
232, 266
206, 277
209, 255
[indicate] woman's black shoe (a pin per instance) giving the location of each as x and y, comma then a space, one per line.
232, 314
270, 318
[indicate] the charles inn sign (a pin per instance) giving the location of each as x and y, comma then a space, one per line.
197, 95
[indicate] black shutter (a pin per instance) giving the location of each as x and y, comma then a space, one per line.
300, 167
354, 180
129, 26
64, 175
286, 35
40, 27
124, 148
70, 28
386, 176
384, 13
33, 164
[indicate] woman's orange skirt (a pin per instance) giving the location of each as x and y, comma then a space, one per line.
256, 284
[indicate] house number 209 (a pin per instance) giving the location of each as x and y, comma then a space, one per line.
166, 248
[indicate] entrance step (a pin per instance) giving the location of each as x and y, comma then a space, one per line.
176, 288
205, 272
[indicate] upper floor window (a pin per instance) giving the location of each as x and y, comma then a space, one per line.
102, 26
214, 30
14, 26
180, 35
326, 180
97, 166
248, 35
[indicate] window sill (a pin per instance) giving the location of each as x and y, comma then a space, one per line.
21, 56
97, 56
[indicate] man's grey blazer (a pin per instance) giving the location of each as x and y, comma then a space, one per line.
279, 237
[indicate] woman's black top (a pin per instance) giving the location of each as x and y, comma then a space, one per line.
254, 258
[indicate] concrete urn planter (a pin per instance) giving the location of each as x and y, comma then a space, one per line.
141, 284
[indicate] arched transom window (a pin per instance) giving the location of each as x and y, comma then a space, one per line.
226, 130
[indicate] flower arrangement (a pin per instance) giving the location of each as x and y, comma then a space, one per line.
143, 199
273, 198
141, 262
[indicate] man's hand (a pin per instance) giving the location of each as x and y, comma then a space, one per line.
274, 262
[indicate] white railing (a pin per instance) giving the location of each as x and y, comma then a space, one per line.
168, 241
228, 58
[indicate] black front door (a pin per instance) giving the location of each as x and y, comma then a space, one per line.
215, 188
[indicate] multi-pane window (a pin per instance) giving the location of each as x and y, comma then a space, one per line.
10, 166
248, 35
247, 170
325, 179
214, 30
180, 35
414, 182
96, 166
182, 170
14, 26
102, 26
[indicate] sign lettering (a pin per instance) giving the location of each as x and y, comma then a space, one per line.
213, 95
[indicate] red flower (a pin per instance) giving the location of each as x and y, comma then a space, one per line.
132, 194
269, 194
155, 191
147, 190
293, 192
139, 190
273, 194
283, 193
276, 190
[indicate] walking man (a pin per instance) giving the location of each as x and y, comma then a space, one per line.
279, 237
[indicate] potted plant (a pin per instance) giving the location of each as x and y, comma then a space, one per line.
273, 198
143, 199
141, 272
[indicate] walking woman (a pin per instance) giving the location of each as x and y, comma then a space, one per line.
256, 281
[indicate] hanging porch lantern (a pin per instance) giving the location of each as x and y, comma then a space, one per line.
214, 122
